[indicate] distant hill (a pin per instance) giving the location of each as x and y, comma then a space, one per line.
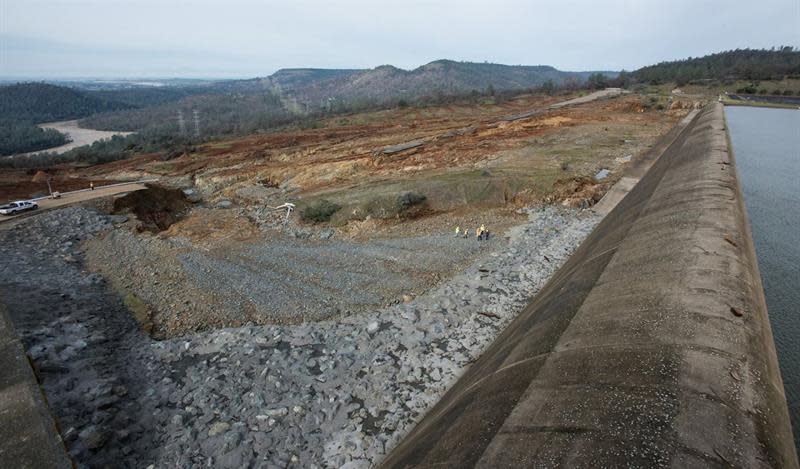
388, 83
287, 79
739, 64
238, 106
41, 102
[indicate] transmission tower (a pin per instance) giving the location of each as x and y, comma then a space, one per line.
181, 122
196, 115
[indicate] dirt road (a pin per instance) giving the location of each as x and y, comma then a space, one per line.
68, 198
606, 93
79, 136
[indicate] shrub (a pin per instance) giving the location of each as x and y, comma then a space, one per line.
319, 211
409, 199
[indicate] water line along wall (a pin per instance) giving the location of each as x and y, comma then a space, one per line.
650, 347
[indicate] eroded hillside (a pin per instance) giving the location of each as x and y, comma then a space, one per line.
457, 156
377, 196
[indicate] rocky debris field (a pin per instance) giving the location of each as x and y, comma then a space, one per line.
275, 277
338, 392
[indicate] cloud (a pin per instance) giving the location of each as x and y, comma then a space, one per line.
249, 37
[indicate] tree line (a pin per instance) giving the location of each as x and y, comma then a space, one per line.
739, 64
22, 137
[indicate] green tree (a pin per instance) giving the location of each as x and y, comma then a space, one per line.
548, 87
597, 81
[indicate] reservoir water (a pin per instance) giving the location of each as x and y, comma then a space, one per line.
766, 146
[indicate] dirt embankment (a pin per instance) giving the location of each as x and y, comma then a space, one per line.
18, 184
156, 208
464, 156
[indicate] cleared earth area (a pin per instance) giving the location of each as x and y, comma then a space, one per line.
191, 324
230, 259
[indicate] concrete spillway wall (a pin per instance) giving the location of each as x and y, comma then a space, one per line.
29, 438
650, 347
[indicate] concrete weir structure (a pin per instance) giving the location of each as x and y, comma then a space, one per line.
650, 347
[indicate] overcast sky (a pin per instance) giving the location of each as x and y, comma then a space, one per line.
245, 38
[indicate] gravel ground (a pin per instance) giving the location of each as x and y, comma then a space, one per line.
275, 279
325, 394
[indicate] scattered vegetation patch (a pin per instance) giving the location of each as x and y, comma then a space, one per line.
139, 310
410, 203
320, 211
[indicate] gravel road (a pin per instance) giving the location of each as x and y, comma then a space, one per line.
333, 393
74, 197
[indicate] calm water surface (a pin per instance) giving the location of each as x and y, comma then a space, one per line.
766, 145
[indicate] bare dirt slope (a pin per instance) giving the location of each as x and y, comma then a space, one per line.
231, 260
468, 155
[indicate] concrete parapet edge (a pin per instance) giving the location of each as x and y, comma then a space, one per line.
29, 437
650, 347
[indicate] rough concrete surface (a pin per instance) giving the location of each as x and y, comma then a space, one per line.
650, 347
28, 435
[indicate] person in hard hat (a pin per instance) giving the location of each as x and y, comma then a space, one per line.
483, 231
478, 233
458, 231
91, 186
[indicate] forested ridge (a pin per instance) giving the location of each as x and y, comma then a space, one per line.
23, 105
23, 137
739, 64
42, 102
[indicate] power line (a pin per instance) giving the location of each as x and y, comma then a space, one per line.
181, 122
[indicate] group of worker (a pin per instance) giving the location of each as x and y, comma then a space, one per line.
481, 233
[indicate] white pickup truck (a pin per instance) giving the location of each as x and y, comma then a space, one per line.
18, 206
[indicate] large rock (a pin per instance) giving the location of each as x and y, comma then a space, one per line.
218, 428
